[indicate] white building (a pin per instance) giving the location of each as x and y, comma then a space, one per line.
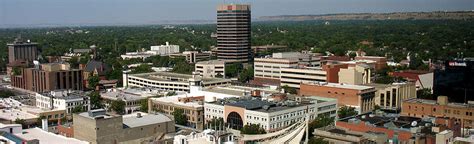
140, 55
211, 68
170, 81
304, 59
132, 97
271, 116
63, 100
14, 133
165, 49
270, 68
292, 77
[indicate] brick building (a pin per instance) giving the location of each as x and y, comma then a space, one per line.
48, 77
463, 113
360, 97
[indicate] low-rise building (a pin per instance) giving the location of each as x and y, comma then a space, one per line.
358, 96
356, 75
271, 116
63, 100
391, 96
270, 68
211, 68
171, 81
293, 77
165, 49
422, 79
97, 126
138, 55
13, 133
379, 62
13, 110
131, 96
441, 107
192, 105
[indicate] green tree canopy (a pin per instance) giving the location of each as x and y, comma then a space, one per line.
95, 100
246, 75
6, 93
118, 106
346, 111
144, 105
252, 129
179, 117
93, 81
232, 70
289, 89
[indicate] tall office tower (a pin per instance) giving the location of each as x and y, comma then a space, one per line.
20, 50
233, 33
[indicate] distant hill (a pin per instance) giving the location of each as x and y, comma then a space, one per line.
437, 15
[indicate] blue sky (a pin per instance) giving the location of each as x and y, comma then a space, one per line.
67, 12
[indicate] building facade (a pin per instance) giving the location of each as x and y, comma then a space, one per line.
211, 68
360, 97
293, 77
165, 49
191, 105
233, 32
132, 97
270, 68
356, 75
21, 50
49, 77
63, 99
391, 96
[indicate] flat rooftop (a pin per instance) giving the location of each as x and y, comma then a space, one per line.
12, 110
65, 94
131, 120
175, 100
257, 104
238, 90
215, 62
175, 77
341, 85
133, 94
47, 137
434, 102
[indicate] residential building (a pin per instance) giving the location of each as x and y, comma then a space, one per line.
441, 107
63, 100
48, 77
211, 68
358, 96
97, 127
271, 116
165, 50
131, 96
356, 75
233, 32
391, 96
13, 110
170, 81
191, 104
422, 79
23, 51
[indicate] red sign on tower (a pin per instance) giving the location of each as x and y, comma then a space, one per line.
229, 7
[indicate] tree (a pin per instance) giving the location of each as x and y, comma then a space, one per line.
20, 121
425, 93
6, 93
118, 106
143, 68
346, 111
232, 70
95, 100
252, 129
144, 105
93, 81
246, 75
314, 140
288, 89
215, 123
319, 122
180, 117
78, 109
16, 71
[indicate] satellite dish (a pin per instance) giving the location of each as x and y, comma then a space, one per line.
414, 123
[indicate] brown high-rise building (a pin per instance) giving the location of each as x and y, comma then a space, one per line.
233, 33
48, 77
20, 50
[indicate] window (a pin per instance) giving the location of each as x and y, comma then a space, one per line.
434, 109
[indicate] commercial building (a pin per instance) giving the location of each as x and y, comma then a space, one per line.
463, 113
391, 96
13, 110
340, 135
356, 75
358, 96
191, 104
138, 55
293, 77
48, 77
63, 100
97, 127
131, 96
269, 69
380, 62
456, 80
211, 68
15, 134
306, 59
422, 79
263, 48
233, 32
170, 81
194, 56
20, 50
164, 50
271, 116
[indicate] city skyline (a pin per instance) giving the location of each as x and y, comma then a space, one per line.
15, 13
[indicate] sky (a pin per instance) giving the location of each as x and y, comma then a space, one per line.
104, 12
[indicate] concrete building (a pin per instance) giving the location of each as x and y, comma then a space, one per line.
293, 77
463, 113
20, 50
339, 135
271, 116
49, 77
233, 32
380, 62
304, 59
391, 96
360, 97
63, 100
138, 55
13, 110
445, 137
356, 75
422, 79
192, 105
165, 50
194, 56
170, 81
263, 48
269, 69
97, 127
15, 134
131, 96
211, 68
